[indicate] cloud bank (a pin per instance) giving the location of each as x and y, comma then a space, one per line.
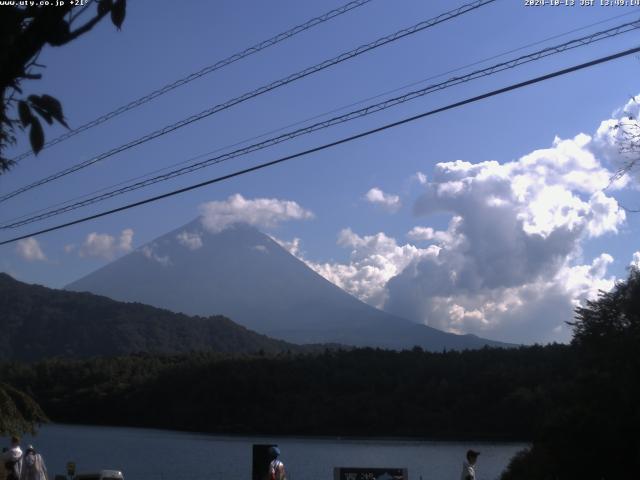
374, 260
507, 264
510, 263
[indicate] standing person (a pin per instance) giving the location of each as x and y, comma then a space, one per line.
468, 466
12, 459
276, 467
33, 467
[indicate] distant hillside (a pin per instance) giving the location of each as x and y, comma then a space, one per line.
38, 322
244, 274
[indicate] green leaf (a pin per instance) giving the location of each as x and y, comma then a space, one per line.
48, 107
118, 12
44, 114
36, 135
104, 6
25, 113
54, 107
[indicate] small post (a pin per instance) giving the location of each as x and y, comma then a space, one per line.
71, 469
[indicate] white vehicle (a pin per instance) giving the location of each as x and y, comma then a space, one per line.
100, 475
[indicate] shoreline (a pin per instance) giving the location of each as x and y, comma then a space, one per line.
328, 438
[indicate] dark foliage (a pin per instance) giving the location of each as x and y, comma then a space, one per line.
18, 411
24, 32
489, 393
593, 432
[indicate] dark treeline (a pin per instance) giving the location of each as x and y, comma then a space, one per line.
489, 393
578, 404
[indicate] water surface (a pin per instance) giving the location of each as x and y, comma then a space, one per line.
145, 454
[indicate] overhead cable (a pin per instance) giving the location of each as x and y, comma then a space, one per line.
201, 73
317, 116
451, 14
362, 112
325, 146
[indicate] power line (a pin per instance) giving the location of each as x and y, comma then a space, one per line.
321, 115
261, 166
201, 73
254, 93
368, 110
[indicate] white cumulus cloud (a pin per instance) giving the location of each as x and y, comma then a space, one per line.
30, 250
103, 245
259, 212
617, 141
507, 265
635, 261
149, 251
293, 247
374, 259
191, 240
388, 201
420, 177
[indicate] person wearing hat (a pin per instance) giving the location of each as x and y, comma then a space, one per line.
33, 467
276, 467
12, 459
468, 466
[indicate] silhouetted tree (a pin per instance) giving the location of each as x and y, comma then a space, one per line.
627, 134
611, 321
18, 411
24, 32
592, 432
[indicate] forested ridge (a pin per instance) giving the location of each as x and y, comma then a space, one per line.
39, 322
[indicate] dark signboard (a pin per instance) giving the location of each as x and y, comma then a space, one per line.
349, 473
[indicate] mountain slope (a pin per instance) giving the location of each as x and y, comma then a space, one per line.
245, 275
38, 322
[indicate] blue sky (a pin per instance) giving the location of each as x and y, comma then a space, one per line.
359, 244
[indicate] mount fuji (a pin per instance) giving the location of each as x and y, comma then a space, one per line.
245, 275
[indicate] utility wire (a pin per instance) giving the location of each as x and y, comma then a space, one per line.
368, 110
351, 138
201, 73
315, 117
254, 93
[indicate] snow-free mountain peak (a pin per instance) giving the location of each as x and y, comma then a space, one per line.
245, 275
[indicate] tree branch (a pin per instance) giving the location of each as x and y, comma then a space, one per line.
80, 12
86, 27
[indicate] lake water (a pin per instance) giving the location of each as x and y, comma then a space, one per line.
144, 454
